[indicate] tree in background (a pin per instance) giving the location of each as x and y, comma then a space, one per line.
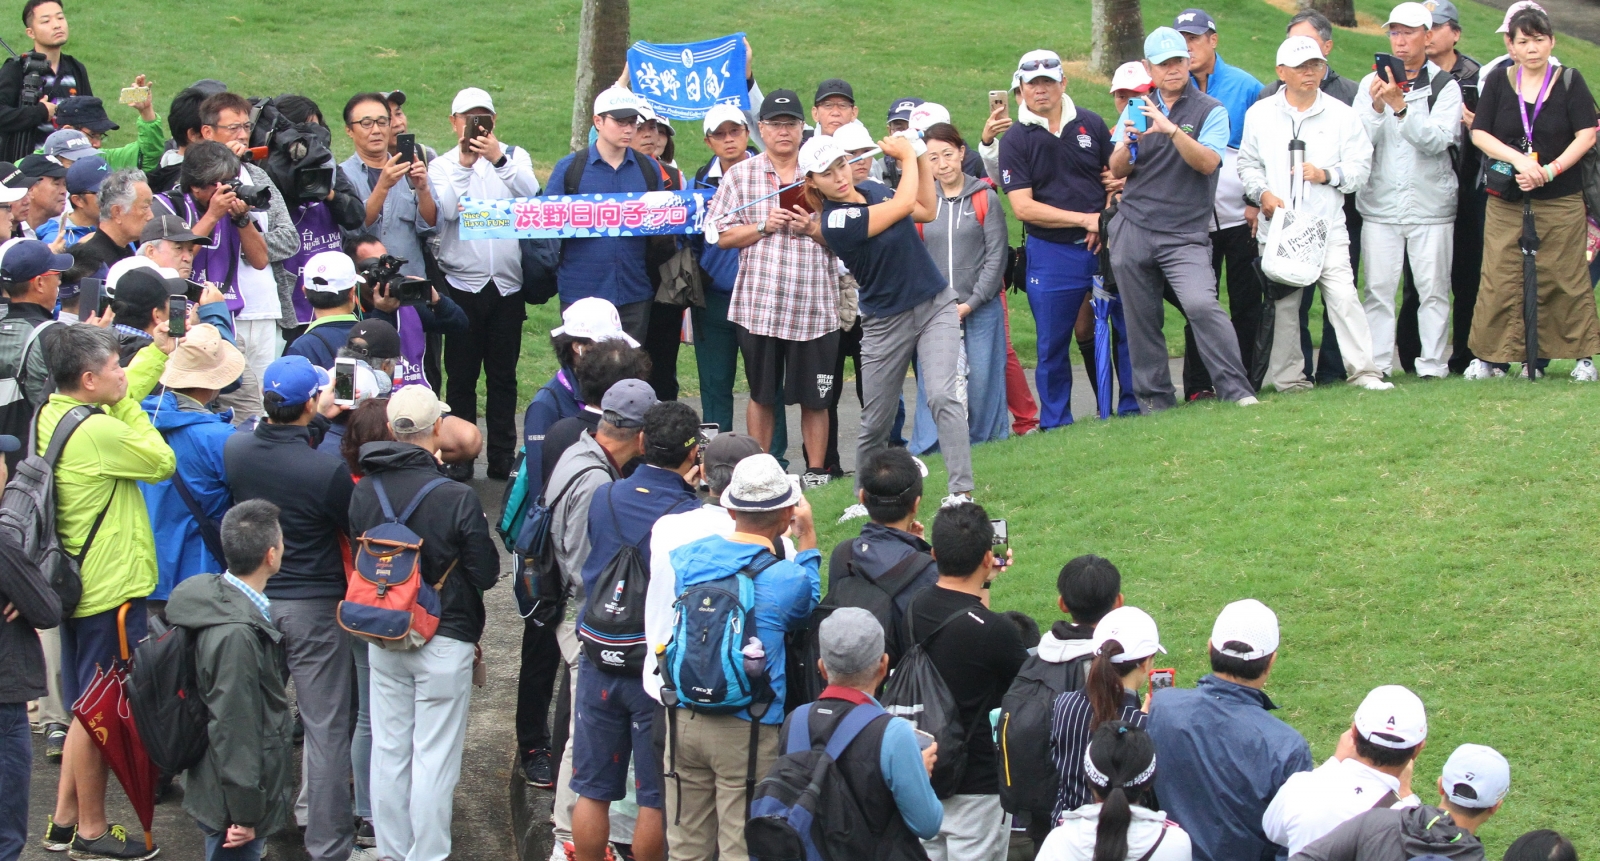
1118, 28
602, 52
1340, 12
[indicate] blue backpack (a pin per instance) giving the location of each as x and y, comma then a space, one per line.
704, 661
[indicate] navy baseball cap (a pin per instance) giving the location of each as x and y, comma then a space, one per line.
85, 175
27, 259
900, 109
293, 379
84, 112
1194, 21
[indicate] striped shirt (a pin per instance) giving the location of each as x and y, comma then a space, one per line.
788, 285
1069, 741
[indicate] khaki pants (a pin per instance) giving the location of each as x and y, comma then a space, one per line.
1568, 328
706, 802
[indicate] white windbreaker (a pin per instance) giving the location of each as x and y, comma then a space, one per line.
1413, 180
1335, 142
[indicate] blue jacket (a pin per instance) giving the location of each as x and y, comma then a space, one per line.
639, 501
1237, 90
612, 268
553, 402
786, 594
1223, 758
196, 436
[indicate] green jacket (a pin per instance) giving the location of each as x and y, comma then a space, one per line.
240, 663
100, 469
145, 151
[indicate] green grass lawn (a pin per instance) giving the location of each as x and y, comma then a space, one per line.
1438, 536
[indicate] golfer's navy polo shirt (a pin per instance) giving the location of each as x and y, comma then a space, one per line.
611, 268
1063, 172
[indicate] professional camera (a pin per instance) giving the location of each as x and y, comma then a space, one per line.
384, 271
297, 156
34, 67
258, 198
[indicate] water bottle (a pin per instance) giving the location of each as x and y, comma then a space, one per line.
755, 659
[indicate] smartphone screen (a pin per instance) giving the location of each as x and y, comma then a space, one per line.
924, 740
177, 315
1162, 678
91, 293
998, 99
407, 145
344, 382
1136, 114
790, 198
132, 95
1002, 542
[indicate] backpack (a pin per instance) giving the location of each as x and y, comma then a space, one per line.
803, 808
612, 626
980, 208
386, 602
17, 337
514, 503
1589, 163
164, 697
28, 510
1027, 774
704, 661
538, 585
918, 693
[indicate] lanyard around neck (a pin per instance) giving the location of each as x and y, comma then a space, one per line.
1538, 104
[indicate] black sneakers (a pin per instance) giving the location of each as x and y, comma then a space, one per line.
57, 838
538, 770
113, 845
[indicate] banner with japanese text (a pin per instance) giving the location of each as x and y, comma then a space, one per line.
682, 82
585, 216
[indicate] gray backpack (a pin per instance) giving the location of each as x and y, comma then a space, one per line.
28, 510
17, 338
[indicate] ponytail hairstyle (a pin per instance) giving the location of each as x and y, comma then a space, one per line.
1103, 686
1121, 766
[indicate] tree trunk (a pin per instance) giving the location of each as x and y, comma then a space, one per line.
602, 52
1340, 12
1118, 35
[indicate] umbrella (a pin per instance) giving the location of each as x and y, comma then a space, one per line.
1101, 302
103, 710
1530, 287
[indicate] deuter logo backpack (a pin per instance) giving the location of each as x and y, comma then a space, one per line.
386, 602
704, 661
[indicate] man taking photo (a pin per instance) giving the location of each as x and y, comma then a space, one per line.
25, 115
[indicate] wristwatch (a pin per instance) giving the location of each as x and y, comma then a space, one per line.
241, 221
761, 227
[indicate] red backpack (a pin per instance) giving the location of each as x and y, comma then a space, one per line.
387, 603
980, 208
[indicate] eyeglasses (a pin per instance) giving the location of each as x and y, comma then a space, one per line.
727, 135
235, 128
366, 123
836, 105
1036, 65
782, 126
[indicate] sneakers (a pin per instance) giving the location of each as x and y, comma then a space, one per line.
1478, 369
365, 836
58, 838
115, 846
55, 738
1585, 371
536, 769
955, 499
1247, 401
458, 471
812, 479
499, 469
364, 853
572, 852
1201, 395
854, 512
1538, 373
1374, 384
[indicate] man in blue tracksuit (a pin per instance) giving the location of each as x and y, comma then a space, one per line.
1232, 237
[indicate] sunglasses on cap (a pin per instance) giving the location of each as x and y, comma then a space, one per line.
1036, 65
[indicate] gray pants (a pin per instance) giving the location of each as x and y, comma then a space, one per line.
1144, 261
930, 333
323, 671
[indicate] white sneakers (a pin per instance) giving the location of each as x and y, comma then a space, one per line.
1585, 371
1373, 384
1481, 370
854, 512
955, 499
1247, 401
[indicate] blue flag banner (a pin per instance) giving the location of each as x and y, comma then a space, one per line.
682, 82
585, 216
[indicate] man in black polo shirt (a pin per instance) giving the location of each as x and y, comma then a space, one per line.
977, 654
1051, 164
26, 125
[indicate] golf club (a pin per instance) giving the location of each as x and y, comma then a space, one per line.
711, 230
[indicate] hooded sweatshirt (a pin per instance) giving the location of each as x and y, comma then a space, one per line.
1074, 838
240, 664
970, 254
197, 437
1395, 835
785, 594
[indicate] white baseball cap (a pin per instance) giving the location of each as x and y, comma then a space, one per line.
1393, 717
618, 102
820, 153
927, 114
1045, 64
853, 136
1411, 15
329, 272
1513, 9
1476, 776
594, 318
1296, 51
1133, 629
1250, 623
121, 268
1131, 76
469, 98
724, 113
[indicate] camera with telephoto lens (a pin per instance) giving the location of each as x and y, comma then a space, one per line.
34, 67
384, 271
257, 197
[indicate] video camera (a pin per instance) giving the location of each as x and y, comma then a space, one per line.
258, 198
384, 271
34, 67
299, 156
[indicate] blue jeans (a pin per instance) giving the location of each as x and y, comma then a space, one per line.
215, 852
984, 335
1060, 278
16, 772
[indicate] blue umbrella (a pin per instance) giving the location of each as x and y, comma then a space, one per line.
1102, 302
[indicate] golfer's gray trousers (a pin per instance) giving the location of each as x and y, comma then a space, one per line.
930, 333
1144, 262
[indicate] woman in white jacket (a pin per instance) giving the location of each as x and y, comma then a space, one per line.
1338, 156
1121, 767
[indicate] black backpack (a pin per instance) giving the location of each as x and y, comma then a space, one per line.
542, 257
1028, 779
612, 626
28, 510
538, 585
164, 696
803, 808
918, 693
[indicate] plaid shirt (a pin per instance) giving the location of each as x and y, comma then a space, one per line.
788, 285
256, 598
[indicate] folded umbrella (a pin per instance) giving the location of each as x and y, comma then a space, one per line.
1529, 243
1104, 355
103, 710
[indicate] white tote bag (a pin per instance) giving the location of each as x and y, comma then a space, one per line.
1297, 241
